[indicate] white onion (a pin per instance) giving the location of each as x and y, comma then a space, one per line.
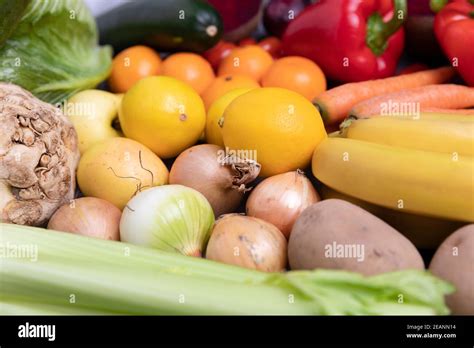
171, 218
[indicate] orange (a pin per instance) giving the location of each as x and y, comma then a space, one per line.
131, 65
190, 68
278, 128
252, 61
223, 84
298, 74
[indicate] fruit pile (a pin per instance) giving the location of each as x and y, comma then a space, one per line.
218, 140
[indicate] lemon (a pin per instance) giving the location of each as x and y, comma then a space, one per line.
164, 114
215, 115
279, 128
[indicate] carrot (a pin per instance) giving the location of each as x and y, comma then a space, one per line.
414, 100
336, 103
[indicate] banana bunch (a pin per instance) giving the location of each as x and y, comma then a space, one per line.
423, 166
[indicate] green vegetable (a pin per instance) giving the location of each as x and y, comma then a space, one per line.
52, 51
172, 218
11, 11
80, 275
167, 25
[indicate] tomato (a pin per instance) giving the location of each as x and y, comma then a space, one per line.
272, 45
131, 65
247, 41
218, 52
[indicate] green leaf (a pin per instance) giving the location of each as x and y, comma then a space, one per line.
53, 51
12, 11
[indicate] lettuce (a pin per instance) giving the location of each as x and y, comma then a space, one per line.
50, 48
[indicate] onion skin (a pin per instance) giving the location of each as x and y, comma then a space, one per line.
280, 199
247, 242
88, 216
200, 168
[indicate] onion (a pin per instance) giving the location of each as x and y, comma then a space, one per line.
247, 242
280, 199
88, 216
222, 180
171, 218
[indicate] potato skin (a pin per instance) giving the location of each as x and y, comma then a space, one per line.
345, 224
457, 267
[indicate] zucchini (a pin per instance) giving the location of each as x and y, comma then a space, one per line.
167, 25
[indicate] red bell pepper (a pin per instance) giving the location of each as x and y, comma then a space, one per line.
351, 40
454, 29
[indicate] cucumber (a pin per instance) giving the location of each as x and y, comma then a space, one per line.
167, 25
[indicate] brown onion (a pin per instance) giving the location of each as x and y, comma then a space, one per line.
88, 216
247, 242
222, 180
280, 199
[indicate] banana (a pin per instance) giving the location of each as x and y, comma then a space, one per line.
449, 135
420, 182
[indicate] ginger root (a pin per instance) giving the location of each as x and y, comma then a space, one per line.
38, 158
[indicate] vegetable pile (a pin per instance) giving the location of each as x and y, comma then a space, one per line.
220, 170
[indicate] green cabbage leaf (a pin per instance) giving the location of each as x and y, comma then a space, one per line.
49, 47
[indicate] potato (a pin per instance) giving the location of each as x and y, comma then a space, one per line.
336, 234
454, 262
425, 232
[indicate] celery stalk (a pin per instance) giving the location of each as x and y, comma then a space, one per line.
15, 306
53, 245
142, 291
74, 274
